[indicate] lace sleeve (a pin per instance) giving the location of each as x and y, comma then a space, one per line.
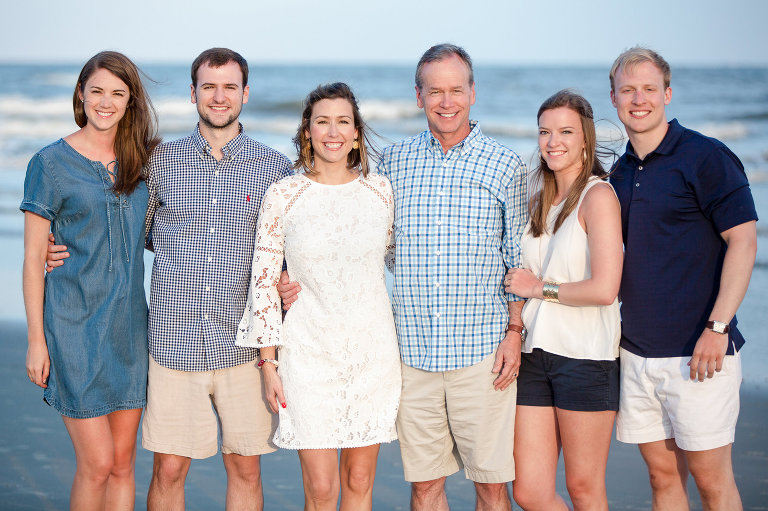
389, 255
261, 324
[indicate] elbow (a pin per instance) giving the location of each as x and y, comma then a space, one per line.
607, 296
606, 299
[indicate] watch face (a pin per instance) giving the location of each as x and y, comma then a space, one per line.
719, 327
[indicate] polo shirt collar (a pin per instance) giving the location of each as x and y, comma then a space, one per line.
463, 147
668, 143
230, 148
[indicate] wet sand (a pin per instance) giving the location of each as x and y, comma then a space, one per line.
37, 460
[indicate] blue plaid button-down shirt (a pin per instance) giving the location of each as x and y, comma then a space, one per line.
201, 224
459, 217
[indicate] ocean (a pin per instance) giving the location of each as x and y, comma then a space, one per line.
730, 104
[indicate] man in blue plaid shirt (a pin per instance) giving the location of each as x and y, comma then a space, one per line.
460, 209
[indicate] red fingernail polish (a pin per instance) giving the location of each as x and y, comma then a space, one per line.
283, 404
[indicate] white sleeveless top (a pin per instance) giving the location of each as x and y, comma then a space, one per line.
583, 332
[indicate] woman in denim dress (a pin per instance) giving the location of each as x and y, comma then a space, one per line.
87, 322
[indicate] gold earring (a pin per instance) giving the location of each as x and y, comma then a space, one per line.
355, 145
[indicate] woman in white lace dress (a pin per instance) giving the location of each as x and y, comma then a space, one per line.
338, 381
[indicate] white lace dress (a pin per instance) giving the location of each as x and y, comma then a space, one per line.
339, 360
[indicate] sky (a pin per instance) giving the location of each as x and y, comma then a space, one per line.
530, 32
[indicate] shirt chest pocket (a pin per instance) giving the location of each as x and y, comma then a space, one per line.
474, 211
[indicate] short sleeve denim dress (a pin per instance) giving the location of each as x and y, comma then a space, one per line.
95, 309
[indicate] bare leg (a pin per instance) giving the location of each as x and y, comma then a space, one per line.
166, 490
429, 495
537, 448
320, 474
713, 472
94, 455
492, 497
586, 439
244, 490
357, 471
668, 473
121, 486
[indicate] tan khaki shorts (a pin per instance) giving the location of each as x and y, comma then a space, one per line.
184, 410
454, 419
658, 400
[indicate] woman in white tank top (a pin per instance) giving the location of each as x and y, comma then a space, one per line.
572, 254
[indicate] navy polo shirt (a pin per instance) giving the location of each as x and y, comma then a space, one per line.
674, 205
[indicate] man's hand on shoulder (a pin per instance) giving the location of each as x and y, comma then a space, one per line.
708, 355
507, 360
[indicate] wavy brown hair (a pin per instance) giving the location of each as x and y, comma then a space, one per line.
541, 201
357, 158
137, 130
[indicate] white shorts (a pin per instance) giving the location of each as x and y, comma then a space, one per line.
658, 400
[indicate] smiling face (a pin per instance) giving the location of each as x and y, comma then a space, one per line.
105, 100
219, 95
640, 96
331, 132
446, 97
561, 140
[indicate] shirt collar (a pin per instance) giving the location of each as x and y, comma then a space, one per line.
230, 149
463, 147
668, 143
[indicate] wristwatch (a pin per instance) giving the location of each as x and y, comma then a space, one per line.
520, 329
718, 326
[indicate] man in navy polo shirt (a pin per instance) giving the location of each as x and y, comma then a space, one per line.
688, 221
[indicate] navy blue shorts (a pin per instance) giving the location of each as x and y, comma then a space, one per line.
547, 379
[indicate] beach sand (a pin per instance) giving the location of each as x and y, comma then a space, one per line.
38, 461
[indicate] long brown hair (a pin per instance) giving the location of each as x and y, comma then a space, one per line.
541, 201
357, 158
137, 130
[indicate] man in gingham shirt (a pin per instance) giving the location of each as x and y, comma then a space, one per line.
205, 194
460, 209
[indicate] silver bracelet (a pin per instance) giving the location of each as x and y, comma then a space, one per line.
551, 292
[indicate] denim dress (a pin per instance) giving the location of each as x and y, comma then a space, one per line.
95, 309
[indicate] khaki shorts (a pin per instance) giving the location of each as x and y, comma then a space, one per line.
658, 400
185, 409
455, 419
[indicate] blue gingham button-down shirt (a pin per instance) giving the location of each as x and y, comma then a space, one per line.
201, 223
459, 217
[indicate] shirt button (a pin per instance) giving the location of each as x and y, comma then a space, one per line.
210, 259
441, 192
212, 229
207, 288
205, 316
214, 201
439, 222
437, 314
445, 164
637, 185
640, 167
437, 284
216, 173
437, 252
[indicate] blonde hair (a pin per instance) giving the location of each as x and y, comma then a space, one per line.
636, 56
